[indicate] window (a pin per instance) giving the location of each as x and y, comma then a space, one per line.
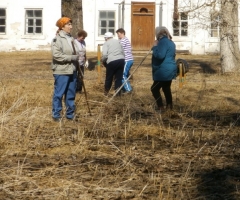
180, 26
33, 22
2, 20
215, 26
106, 22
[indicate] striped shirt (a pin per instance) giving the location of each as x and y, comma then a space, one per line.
127, 48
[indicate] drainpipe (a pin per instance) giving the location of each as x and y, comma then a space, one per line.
121, 14
123, 8
95, 13
175, 12
160, 13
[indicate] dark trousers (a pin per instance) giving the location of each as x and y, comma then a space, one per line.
166, 87
79, 81
114, 69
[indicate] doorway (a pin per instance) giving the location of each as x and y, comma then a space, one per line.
142, 25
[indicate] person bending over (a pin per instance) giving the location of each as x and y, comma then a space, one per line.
113, 57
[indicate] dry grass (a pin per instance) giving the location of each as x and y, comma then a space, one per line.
124, 150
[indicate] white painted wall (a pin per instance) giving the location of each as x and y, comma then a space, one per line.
15, 38
197, 41
91, 10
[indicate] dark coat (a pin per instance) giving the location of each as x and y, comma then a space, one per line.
164, 67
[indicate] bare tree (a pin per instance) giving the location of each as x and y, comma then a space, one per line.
73, 10
229, 36
224, 13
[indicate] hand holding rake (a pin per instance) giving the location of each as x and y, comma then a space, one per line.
80, 76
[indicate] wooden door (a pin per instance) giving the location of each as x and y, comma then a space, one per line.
142, 25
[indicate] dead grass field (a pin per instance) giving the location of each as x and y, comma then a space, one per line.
124, 150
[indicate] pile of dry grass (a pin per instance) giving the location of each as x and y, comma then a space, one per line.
124, 150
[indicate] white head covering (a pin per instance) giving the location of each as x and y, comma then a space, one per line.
108, 35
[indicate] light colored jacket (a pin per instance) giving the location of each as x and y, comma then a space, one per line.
82, 52
112, 50
63, 60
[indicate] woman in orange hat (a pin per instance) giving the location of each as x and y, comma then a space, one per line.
64, 64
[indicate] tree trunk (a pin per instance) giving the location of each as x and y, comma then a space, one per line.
229, 48
73, 10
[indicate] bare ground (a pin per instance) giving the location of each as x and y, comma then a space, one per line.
124, 150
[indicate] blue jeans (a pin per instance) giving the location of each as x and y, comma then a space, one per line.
64, 85
128, 64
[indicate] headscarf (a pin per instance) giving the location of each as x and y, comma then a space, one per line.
62, 21
162, 31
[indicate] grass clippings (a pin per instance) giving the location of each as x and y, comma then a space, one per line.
124, 150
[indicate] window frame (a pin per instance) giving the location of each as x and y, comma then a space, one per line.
180, 28
34, 25
5, 25
215, 19
107, 28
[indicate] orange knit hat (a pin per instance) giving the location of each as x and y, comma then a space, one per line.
62, 21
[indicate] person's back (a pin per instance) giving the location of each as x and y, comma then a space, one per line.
113, 57
164, 67
163, 60
112, 50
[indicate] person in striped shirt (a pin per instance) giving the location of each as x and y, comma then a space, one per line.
128, 58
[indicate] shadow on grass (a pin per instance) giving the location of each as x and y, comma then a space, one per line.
214, 117
219, 184
206, 67
92, 64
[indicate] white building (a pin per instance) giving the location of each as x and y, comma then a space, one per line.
190, 31
28, 24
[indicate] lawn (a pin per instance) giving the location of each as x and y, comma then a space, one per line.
123, 149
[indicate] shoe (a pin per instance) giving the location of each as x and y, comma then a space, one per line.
79, 92
70, 119
106, 93
56, 119
169, 107
126, 92
160, 110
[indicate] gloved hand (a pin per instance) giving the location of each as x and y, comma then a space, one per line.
86, 64
74, 57
103, 64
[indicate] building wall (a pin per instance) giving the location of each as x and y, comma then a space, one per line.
197, 41
15, 37
91, 9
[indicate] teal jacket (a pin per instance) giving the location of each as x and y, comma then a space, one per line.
164, 67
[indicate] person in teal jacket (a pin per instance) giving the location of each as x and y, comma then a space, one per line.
164, 67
